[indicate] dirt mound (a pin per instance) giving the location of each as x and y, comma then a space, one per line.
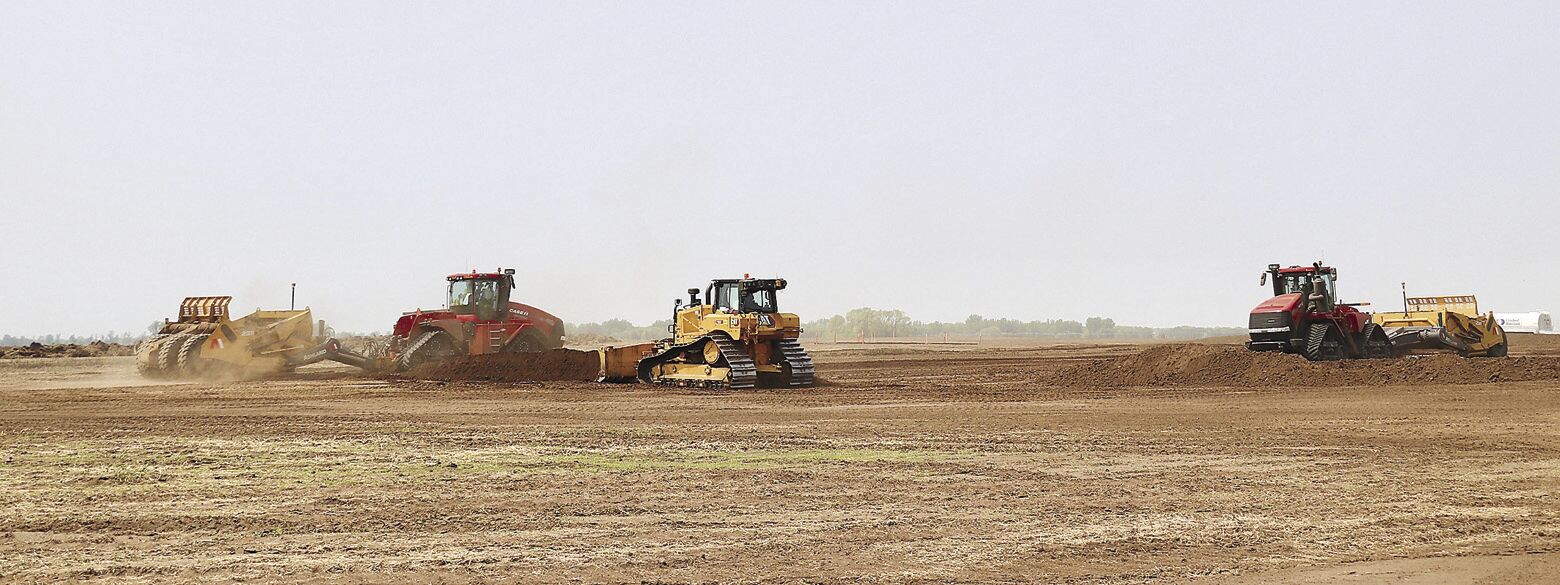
558, 364
1210, 365
39, 350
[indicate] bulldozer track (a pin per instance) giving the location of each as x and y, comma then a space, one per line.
801, 364
744, 373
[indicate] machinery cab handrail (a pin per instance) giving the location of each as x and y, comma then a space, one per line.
482, 294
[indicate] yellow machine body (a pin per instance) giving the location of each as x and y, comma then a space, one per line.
730, 341
752, 330
205, 341
621, 363
263, 341
1443, 323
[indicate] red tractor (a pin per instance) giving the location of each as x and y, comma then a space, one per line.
1305, 317
478, 318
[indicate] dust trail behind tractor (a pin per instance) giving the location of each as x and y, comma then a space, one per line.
204, 341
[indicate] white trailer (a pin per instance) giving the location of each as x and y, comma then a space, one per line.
1529, 322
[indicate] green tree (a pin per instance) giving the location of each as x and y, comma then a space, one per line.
1099, 327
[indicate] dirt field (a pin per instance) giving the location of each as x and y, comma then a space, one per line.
912, 465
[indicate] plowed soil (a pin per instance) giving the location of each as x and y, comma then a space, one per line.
1222, 365
991, 464
554, 365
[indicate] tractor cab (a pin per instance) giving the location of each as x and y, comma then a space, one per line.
1305, 317
1317, 284
745, 295
484, 295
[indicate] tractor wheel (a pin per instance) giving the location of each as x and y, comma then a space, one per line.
431, 346
189, 362
526, 343
1322, 343
1499, 350
146, 356
168, 355
1374, 343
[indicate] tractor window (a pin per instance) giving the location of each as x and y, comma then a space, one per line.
1293, 283
486, 292
727, 296
460, 293
1329, 288
760, 301
731, 296
475, 293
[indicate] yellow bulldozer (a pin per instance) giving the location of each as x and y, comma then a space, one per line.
736, 338
204, 342
1443, 323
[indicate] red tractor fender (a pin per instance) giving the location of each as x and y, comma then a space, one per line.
548, 327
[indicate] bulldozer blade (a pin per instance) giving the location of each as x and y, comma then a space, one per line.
621, 364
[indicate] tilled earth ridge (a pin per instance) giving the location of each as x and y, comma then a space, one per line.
554, 365
1218, 365
916, 466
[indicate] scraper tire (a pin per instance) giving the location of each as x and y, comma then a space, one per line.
1499, 350
189, 362
168, 355
146, 356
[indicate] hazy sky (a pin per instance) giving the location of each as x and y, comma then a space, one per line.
1035, 160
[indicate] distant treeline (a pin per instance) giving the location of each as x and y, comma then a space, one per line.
617, 329
120, 337
110, 337
879, 324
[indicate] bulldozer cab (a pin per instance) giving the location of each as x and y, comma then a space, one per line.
484, 295
745, 295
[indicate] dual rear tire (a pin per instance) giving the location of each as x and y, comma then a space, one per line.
172, 356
